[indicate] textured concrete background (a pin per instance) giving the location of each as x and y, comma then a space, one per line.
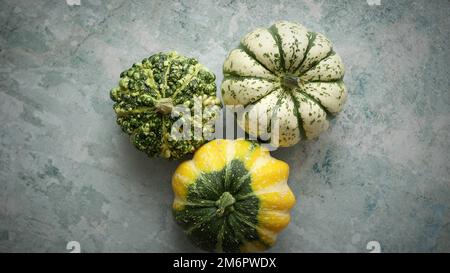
381, 172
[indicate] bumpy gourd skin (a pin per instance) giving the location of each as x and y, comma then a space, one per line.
232, 197
147, 94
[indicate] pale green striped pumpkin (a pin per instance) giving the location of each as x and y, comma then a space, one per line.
287, 71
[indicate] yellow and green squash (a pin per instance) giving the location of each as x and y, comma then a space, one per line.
232, 196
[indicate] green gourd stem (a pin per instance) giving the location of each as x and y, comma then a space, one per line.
164, 105
225, 201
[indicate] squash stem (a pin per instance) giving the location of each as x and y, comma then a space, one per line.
225, 201
164, 105
290, 82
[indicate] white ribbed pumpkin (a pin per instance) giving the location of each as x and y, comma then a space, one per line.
287, 71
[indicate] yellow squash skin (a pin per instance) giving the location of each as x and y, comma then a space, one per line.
255, 211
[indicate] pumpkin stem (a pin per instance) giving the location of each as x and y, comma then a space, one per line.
290, 82
226, 200
164, 105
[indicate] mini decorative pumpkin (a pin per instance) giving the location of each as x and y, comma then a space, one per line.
149, 91
232, 196
287, 72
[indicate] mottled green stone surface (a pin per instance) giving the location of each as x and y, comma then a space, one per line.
67, 172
